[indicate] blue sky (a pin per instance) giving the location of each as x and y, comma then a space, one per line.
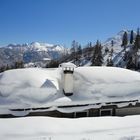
61, 21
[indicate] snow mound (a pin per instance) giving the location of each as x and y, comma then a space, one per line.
106, 84
27, 86
69, 64
34, 87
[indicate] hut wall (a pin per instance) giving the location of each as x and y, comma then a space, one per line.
127, 111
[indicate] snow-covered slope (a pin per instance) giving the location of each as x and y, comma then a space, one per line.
117, 39
46, 128
34, 87
118, 50
115, 51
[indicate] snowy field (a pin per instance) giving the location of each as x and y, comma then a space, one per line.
47, 128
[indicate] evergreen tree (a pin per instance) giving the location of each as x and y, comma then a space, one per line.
2, 68
137, 41
53, 64
74, 50
130, 64
131, 37
112, 50
16, 65
112, 43
19, 64
7, 67
109, 62
136, 48
73, 47
106, 50
79, 54
79, 50
97, 59
87, 51
124, 40
138, 31
90, 44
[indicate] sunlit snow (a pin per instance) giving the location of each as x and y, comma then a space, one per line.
46, 128
36, 87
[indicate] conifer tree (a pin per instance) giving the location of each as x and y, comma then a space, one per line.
90, 44
112, 43
18, 64
112, 50
73, 47
2, 68
130, 63
97, 59
109, 62
124, 40
136, 48
137, 41
131, 37
74, 50
7, 67
79, 50
53, 64
138, 31
79, 54
106, 50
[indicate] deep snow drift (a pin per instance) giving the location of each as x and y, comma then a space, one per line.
46, 128
36, 87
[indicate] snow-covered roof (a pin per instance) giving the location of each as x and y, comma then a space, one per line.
47, 59
37, 87
69, 64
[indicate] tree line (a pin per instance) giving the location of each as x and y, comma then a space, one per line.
16, 65
132, 55
95, 53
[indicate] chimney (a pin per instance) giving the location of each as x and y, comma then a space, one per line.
68, 80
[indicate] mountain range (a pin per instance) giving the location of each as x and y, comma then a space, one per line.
32, 52
36, 52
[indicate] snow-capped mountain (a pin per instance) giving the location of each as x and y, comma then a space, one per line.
117, 39
32, 52
36, 52
118, 50
115, 52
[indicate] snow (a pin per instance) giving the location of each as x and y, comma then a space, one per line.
37, 46
29, 65
118, 50
63, 99
25, 87
46, 47
69, 64
46, 59
38, 87
58, 48
101, 84
47, 128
